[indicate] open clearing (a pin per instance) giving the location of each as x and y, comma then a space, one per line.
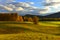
46, 30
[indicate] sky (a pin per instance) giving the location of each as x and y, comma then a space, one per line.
35, 7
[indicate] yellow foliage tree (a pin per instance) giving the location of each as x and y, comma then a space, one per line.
35, 19
30, 19
19, 18
25, 18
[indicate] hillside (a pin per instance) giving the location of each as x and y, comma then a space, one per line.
54, 15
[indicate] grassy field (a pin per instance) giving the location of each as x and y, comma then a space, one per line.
46, 30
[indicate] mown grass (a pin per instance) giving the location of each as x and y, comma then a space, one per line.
46, 30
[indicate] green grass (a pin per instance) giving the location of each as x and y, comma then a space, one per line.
46, 30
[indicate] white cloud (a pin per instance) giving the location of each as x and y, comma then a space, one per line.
23, 8
6, 1
53, 5
7, 8
24, 4
47, 10
30, 2
19, 9
48, 1
52, 2
10, 5
55, 0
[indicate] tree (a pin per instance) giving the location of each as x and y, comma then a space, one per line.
35, 19
20, 19
25, 18
30, 19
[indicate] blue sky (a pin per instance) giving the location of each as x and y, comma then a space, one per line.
38, 7
37, 2
29, 0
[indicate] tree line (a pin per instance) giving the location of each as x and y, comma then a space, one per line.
16, 17
34, 19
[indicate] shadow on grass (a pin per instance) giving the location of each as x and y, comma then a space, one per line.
13, 30
13, 22
4, 29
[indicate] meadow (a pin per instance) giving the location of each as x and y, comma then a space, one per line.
44, 30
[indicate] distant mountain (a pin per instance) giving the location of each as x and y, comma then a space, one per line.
54, 15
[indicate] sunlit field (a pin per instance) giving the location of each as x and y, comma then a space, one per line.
44, 30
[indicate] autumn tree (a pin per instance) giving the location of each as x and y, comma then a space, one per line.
25, 18
30, 19
20, 18
35, 19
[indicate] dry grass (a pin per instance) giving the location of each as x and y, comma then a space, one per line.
29, 31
